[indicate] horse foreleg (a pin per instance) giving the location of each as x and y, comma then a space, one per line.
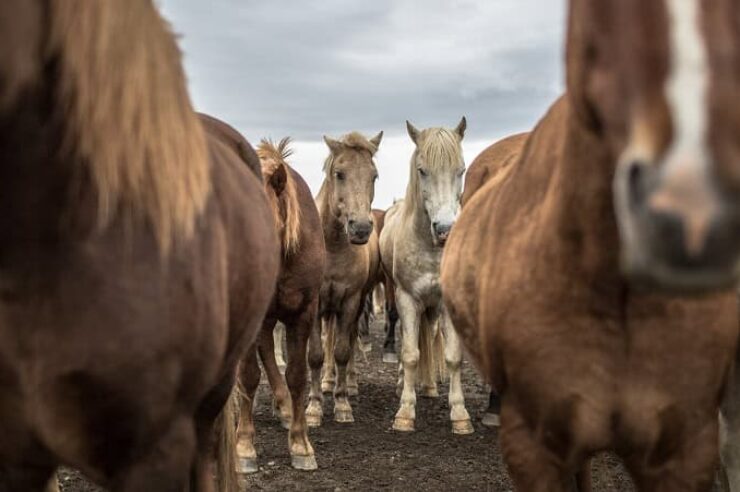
453, 356
328, 339
344, 345
282, 405
491, 417
353, 388
301, 452
729, 431
315, 410
278, 335
410, 317
31, 478
250, 380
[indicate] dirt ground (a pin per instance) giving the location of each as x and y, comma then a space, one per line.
368, 455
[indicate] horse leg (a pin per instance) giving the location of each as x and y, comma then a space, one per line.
729, 425
345, 336
410, 318
453, 356
491, 417
583, 478
167, 466
32, 478
353, 388
278, 335
282, 404
391, 318
364, 344
315, 410
301, 452
328, 340
250, 380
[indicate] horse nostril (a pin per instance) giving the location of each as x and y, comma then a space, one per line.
351, 222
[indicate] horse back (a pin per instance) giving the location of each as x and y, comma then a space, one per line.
231, 137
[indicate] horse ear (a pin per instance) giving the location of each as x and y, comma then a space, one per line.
413, 132
376, 140
334, 145
278, 179
460, 130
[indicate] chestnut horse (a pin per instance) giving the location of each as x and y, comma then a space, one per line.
139, 259
411, 243
494, 162
584, 361
352, 261
295, 305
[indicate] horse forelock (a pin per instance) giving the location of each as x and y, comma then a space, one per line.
128, 114
441, 150
286, 207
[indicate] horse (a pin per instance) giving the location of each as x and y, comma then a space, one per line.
391, 313
493, 163
141, 259
584, 359
344, 202
295, 305
411, 246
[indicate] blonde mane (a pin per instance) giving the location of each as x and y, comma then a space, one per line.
285, 207
441, 150
128, 116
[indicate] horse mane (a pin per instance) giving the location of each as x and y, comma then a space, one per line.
441, 150
286, 208
352, 140
128, 117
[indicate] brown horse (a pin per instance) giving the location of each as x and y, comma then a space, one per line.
583, 361
295, 304
352, 261
492, 163
139, 258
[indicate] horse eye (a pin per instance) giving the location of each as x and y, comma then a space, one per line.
423, 173
339, 175
460, 173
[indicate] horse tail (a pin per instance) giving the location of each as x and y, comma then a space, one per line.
432, 365
292, 207
226, 458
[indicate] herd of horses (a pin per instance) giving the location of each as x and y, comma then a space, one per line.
588, 268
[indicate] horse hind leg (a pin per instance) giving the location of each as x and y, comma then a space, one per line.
459, 416
28, 478
315, 411
491, 417
729, 432
301, 451
282, 404
245, 450
278, 335
353, 387
391, 318
328, 341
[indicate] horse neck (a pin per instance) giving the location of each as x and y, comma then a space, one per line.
38, 186
335, 234
415, 214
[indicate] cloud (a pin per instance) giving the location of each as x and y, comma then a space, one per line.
291, 67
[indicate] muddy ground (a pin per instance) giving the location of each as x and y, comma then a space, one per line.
368, 455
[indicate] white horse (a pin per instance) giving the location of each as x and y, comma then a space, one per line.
411, 250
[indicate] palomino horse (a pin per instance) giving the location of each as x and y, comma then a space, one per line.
295, 304
411, 243
493, 163
351, 245
583, 361
139, 258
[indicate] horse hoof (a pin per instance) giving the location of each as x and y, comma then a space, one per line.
390, 358
401, 424
343, 416
353, 390
247, 466
313, 420
327, 387
491, 420
462, 427
306, 463
285, 423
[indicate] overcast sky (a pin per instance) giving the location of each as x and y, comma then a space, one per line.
307, 68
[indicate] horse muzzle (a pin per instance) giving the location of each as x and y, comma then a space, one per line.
359, 231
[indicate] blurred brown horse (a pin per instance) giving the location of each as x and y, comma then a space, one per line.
295, 304
584, 361
138, 261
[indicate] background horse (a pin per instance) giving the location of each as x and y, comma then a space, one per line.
295, 305
351, 244
411, 244
141, 260
531, 275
